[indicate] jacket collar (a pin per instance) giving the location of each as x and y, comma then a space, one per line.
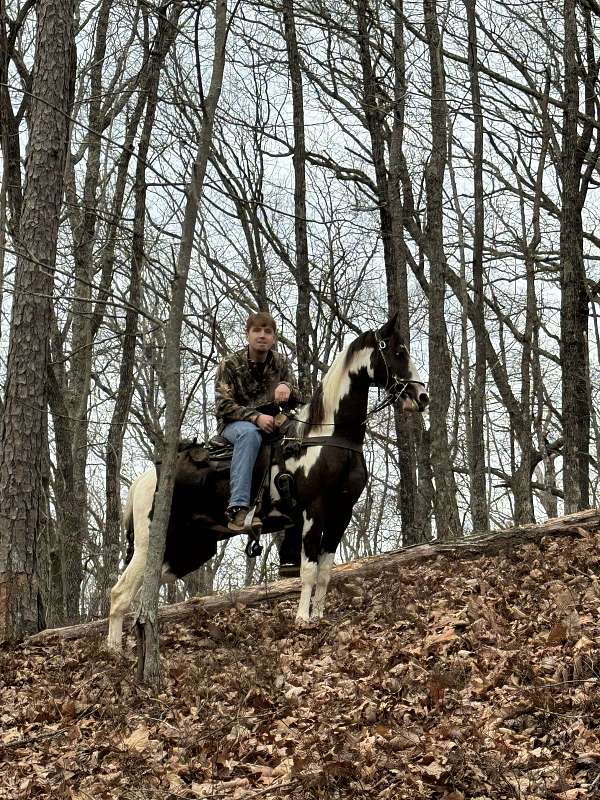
251, 363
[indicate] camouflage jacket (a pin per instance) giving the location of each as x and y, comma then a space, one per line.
241, 385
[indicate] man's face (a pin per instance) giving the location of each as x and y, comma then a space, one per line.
261, 338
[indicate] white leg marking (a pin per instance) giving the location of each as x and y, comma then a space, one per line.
122, 595
308, 576
323, 575
128, 585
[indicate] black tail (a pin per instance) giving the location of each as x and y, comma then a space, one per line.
129, 538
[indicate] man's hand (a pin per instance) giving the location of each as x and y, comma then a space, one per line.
265, 422
282, 393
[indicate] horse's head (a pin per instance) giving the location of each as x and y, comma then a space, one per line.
394, 369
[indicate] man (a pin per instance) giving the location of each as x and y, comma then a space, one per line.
251, 377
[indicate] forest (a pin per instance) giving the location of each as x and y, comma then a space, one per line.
168, 169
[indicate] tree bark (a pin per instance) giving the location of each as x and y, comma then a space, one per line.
22, 454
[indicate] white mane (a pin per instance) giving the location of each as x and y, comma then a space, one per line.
336, 385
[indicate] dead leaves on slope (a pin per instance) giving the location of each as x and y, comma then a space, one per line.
448, 679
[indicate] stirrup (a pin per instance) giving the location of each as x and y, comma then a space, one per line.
253, 546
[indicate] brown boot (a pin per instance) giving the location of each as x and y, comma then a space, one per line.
236, 517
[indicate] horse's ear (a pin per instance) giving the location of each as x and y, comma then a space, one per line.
388, 329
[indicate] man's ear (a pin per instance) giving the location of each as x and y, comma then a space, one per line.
388, 329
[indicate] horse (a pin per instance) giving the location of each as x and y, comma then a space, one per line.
328, 469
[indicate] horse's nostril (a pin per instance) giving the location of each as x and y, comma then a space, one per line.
423, 399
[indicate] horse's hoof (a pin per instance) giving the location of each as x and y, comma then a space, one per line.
302, 623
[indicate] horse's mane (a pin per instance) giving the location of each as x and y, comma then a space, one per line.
321, 405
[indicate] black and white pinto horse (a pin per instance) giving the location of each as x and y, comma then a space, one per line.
329, 474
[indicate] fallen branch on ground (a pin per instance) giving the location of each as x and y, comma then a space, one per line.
581, 524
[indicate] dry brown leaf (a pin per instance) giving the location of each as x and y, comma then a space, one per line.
558, 634
138, 739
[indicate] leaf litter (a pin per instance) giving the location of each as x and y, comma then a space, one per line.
452, 678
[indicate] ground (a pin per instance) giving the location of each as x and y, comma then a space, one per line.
448, 678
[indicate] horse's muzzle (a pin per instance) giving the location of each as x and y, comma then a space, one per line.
422, 400
415, 398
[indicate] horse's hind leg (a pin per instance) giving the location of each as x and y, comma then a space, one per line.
121, 597
311, 544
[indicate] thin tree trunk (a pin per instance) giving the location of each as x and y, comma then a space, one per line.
574, 299
9, 132
391, 226
75, 532
446, 509
406, 424
479, 509
303, 327
164, 39
22, 454
147, 617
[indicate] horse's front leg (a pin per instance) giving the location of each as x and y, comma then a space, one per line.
311, 546
323, 575
335, 527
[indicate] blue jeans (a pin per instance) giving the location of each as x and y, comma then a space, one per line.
246, 439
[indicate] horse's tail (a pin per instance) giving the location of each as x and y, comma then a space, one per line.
128, 522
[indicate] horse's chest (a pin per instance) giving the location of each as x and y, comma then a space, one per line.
319, 469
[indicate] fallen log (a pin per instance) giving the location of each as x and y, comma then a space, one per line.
580, 524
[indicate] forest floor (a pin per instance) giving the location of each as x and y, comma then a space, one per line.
470, 678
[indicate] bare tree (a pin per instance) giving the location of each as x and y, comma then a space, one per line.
147, 620
24, 431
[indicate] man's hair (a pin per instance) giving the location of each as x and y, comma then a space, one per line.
260, 320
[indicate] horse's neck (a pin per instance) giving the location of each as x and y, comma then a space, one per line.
349, 419
345, 397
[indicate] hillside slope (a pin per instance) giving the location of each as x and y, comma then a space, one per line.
471, 678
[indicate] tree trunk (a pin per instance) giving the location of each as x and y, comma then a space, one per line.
479, 509
22, 453
303, 326
9, 132
165, 35
391, 226
446, 510
574, 299
147, 617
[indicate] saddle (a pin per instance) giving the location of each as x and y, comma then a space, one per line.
200, 463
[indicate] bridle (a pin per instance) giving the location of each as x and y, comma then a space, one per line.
394, 387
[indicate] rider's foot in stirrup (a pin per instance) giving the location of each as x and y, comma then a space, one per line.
236, 518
